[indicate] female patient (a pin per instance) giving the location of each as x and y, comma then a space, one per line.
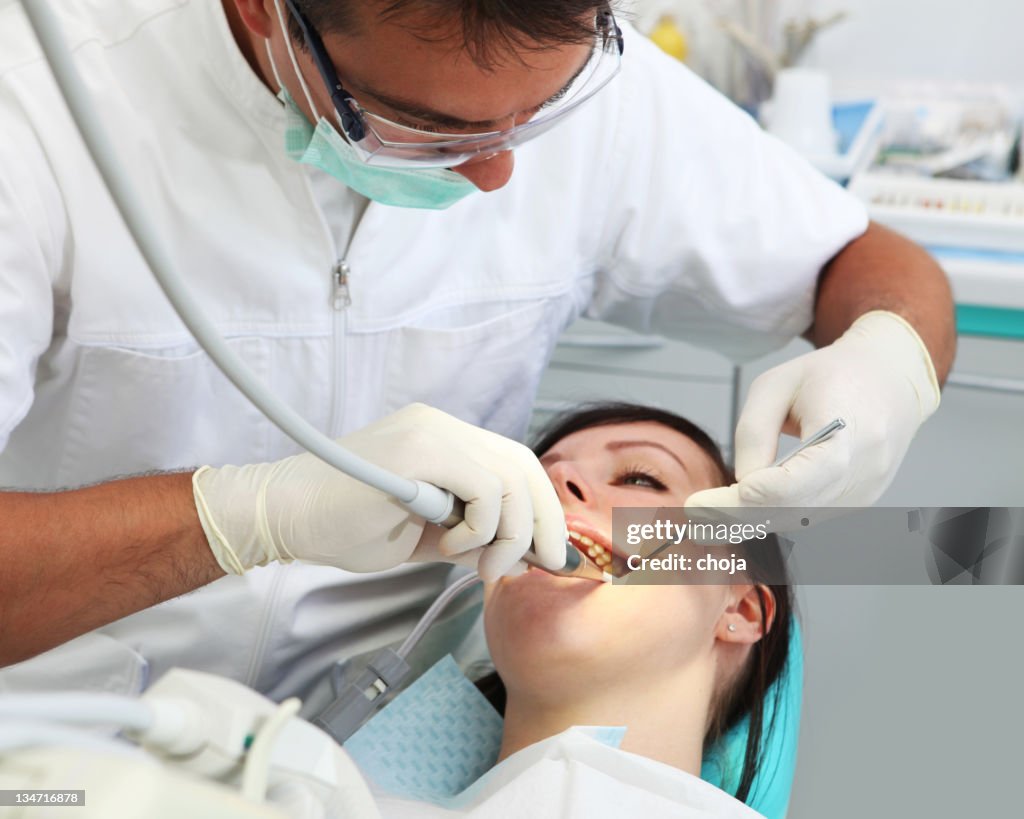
676, 665
679, 665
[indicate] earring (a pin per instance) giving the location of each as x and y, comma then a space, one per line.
731, 627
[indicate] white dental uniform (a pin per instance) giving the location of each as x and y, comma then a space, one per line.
658, 205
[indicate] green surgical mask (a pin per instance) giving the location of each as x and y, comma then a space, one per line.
324, 148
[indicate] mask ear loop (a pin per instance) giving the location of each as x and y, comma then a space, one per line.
295, 63
273, 66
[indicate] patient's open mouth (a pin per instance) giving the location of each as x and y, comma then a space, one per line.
597, 549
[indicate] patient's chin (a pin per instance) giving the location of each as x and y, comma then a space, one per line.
545, 619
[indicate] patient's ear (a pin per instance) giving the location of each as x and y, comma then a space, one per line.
742, 622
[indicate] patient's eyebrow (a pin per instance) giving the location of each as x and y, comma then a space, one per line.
550, 458
614, 446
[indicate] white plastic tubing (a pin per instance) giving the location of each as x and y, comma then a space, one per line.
421, 498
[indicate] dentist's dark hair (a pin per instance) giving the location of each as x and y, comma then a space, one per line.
749, 695
488, 28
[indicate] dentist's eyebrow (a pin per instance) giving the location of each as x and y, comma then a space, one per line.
614, 446
435, 117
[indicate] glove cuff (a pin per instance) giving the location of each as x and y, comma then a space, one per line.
898, 340
222, 551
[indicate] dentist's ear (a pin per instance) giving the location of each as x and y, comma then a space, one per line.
742, 622
256, 15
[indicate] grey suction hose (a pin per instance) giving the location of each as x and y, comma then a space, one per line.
423, 499
432, 613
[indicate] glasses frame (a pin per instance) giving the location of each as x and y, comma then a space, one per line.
352, 117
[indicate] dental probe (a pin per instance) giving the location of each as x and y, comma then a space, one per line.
822, 434
576, 563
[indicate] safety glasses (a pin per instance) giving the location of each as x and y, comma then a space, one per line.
382, 142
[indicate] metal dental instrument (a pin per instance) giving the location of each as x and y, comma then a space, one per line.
577, 564
822, 434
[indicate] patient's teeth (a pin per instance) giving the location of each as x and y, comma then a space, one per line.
597, 552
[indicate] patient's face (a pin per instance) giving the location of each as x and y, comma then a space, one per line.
540, 624
638, 464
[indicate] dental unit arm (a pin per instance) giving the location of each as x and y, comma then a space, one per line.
225, 750
429, 502
222, 750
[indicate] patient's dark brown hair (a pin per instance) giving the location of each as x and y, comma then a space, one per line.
748, 696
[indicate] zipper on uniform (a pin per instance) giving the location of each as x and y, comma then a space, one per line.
342, 298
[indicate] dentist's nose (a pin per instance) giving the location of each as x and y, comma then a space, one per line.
488, 174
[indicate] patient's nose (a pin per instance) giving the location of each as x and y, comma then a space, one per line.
569, 484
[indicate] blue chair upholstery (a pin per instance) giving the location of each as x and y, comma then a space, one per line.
769, 793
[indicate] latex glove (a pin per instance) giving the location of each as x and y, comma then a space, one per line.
302, 509
878, 377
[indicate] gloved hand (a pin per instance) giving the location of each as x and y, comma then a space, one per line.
878, 377
302, 509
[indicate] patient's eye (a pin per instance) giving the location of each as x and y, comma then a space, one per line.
636, 476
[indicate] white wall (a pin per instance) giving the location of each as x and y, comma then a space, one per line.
949, 40
881, 40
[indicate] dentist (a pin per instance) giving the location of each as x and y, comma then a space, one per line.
335, 181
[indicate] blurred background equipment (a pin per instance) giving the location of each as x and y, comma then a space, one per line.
739, 46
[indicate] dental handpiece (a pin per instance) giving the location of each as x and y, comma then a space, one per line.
576, 563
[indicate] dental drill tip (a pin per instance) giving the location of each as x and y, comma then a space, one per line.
578, 564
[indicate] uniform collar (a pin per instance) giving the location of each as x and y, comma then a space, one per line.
229, 69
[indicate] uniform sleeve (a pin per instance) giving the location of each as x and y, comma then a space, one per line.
31, 226
716, 231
